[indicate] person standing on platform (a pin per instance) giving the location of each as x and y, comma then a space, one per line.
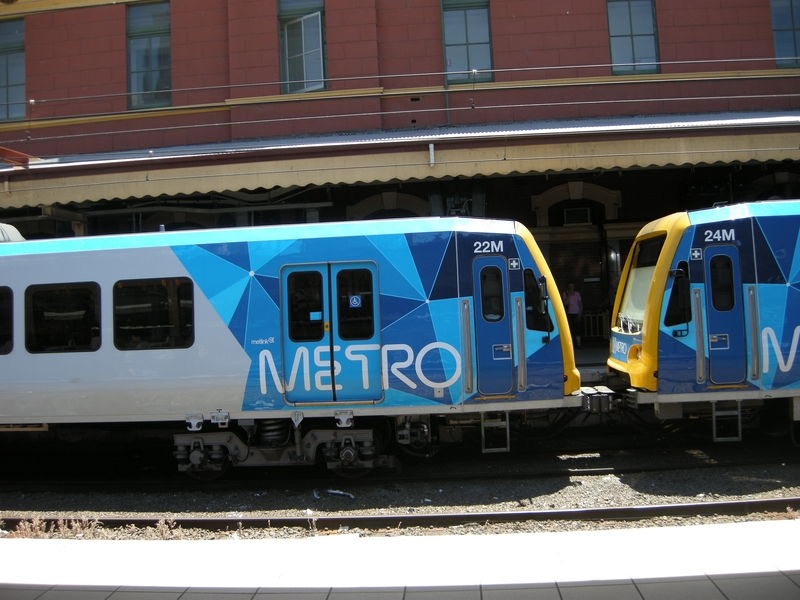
574, 306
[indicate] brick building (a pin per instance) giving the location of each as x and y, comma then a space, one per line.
581, 119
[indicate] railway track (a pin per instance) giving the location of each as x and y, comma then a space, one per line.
443, 472
312, 523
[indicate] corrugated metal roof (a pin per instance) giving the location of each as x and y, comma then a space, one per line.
427, 135
407, 155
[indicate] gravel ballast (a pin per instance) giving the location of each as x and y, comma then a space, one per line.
82, 513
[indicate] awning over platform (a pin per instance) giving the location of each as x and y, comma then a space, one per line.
430, 153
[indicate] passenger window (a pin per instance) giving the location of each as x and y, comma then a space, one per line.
62, 317
492, 294
6, 320
536, 317
306, 322
153, 313
722, 292
355, 307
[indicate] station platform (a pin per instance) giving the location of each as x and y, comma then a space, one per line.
738, 561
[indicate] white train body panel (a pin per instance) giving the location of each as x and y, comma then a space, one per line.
109, 385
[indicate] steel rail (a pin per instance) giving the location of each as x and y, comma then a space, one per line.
313, 522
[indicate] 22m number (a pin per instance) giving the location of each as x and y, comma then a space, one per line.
488, 247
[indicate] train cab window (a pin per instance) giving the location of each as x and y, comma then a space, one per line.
536, 317
62, 317
153, 313
637, 283
306, 322
492, 294
356, 314
722, 292
679, 307
6, 320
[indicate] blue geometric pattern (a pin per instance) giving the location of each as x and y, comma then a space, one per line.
768, 237
419, 305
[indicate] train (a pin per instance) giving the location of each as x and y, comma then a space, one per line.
707, 316
348, 343
287, 345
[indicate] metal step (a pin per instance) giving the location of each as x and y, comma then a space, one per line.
495, 423
719, 417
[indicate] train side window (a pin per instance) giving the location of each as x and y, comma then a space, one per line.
679, 306
6, 320
62, 317
536, 317
153, 313
355, 306
722, 292
306, 323
492, 294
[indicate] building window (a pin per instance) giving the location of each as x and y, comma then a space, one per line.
632, 34
467, 43
12, 70
577, 216
786, 30
302, 46
149, 55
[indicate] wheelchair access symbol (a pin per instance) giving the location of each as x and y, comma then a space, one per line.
355, 301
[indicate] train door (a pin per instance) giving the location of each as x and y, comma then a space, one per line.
725, 313
330, 334
495, 361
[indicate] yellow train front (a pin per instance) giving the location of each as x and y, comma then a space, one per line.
707, 321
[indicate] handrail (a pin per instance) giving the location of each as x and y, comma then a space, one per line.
699, 337
466, 332
522, 371
752, 309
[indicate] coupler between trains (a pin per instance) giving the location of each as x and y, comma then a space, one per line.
277, 442
599, 400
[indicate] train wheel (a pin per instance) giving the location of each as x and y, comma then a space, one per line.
354, 473
210, 475
379, 443
422, 451
208, 463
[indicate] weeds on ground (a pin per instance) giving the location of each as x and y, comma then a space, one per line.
36, 528
168, 529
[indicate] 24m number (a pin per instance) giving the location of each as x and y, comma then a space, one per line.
719, 235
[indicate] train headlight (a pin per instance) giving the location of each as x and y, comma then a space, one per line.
635, 353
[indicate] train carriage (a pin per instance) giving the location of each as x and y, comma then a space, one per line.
286, 345
708, 314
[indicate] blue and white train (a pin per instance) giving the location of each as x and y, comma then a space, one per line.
287, 345
708, 315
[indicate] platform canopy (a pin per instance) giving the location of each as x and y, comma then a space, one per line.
407, 155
